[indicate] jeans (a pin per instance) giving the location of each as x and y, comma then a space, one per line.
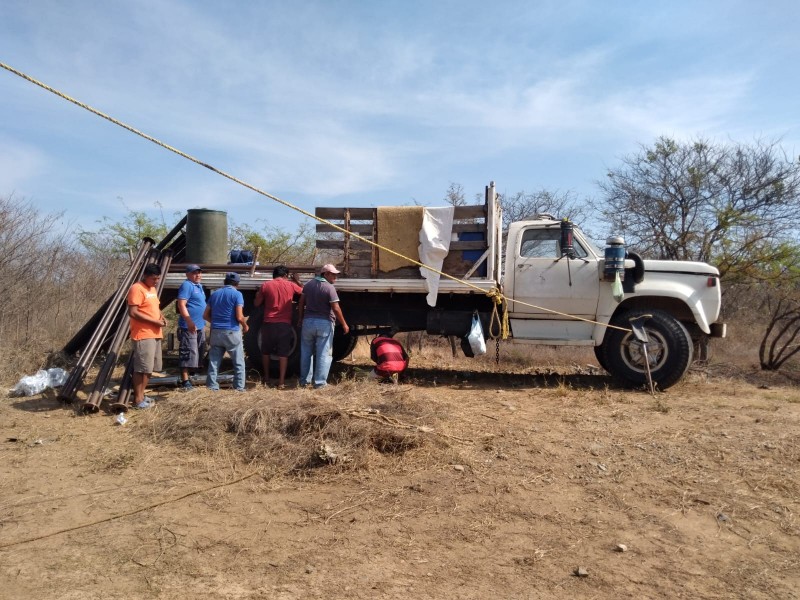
230, 341
316, 340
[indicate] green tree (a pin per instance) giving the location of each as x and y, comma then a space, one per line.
276, 244
734, 205
118, 238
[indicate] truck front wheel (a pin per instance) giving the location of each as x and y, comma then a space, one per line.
669, 351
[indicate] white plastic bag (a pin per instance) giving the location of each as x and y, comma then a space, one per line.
475, 337
616, 288
30, 385
58, 377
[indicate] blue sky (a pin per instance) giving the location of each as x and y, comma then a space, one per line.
356, 103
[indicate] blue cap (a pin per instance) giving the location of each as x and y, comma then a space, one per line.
234, 277
193, 268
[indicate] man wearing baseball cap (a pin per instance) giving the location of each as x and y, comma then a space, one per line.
191, 333
225, 313
319, 312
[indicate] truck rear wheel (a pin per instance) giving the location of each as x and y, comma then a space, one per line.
669, 351
343, 344
252, 348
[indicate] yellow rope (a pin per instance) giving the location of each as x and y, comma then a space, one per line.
498, 326
493, 293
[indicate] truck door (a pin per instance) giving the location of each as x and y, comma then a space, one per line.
546, 279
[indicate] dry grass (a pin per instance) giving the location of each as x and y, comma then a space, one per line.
494, 478
296, 431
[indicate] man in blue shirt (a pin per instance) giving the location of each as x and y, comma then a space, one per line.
319, 311
225, 313
191, 333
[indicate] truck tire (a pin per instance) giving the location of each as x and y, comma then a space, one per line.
252, 340
252, 349
670, 350
599, 354
343, 344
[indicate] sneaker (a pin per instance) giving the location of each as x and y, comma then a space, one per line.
186, 386
146, 403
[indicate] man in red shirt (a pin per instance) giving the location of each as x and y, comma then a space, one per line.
390, 357
277, 334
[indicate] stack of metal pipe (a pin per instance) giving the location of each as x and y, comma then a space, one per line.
109, 327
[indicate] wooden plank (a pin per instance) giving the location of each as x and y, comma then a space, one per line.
472, 211
330, 245
364, 229
356, 214
347, 241
477, 245
355, 245
402, 273
360, 272
467, 227
373, 269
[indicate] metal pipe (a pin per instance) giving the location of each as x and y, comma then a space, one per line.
242, 268
92, 405
77, 374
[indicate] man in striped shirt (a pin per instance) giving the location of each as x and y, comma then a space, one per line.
389, 356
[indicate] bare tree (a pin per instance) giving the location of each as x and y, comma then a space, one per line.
522, 205
49, 285
455, 195
781, 340
734, 205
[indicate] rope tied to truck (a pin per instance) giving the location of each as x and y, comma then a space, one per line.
496, 295
498, 325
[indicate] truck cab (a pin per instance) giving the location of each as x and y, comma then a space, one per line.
560, 297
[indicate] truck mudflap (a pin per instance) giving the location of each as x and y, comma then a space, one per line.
718, 330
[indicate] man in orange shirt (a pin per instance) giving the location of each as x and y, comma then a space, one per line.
144, 310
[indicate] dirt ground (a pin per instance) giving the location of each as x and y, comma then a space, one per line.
457, 483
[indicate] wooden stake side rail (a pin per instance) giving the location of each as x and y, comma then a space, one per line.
360, 260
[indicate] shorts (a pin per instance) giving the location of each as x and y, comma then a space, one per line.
147, 355
191, 348
278, 339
